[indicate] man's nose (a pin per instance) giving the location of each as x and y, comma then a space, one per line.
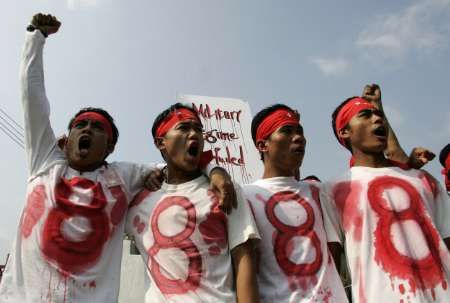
299, 139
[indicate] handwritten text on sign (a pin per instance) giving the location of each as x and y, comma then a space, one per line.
226, 125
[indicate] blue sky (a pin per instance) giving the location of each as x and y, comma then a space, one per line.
133, 57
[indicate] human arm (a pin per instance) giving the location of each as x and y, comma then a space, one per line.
418, 157
394, 151
220, 183
40, 142
243, 238
244, 265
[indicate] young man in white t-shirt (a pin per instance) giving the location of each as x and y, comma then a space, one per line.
294, 262
68, 246
393, 220
193, 252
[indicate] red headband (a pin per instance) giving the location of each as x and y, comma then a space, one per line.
93, 116
445, 172
178, 115
447, 162
348, 111
274, 121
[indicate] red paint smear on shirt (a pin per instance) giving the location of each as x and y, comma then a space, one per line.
138, 224
214, 250
430, 183
74, 257
34, 210
347, 196
120, 207
214, 228
140, 197
302, 282
423, 273
327, 296
361, 290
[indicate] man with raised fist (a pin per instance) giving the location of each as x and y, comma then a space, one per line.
393, 219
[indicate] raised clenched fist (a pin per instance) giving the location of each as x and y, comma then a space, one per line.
47, 24
372, 93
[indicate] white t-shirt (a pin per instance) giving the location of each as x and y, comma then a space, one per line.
393, 222
185, 241
294, 264
68, 245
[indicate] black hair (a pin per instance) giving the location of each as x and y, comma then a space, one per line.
166, 112
104, 113
261, 115
443, 154
333, 121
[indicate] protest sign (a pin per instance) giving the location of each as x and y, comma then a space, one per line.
227, 133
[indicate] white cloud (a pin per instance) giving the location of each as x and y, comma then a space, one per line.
423, 26
331, 66
76, 4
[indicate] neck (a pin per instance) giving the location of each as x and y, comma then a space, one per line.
85, 169
375, 160
271, 171
176, 175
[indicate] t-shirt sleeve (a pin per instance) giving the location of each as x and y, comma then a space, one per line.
442, 214
134, 176
241, 224
40, 143
330, 216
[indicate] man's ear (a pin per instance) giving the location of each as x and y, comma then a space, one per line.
110, 147
160, 144
262, 145
344, 133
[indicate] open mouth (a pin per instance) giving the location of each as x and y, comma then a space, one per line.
298, 150
380, 131
193, 149
84, 143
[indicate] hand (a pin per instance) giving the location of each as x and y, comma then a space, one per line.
154, 180
222, 186
372, 93
47, 24
419, 157
61, 141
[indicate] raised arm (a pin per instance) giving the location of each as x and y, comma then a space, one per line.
418, 157
40, 140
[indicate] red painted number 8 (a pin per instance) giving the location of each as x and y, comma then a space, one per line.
386, 252
74, 256
285, 233
180, 241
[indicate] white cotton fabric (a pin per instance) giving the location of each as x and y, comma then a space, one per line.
213, 235
376, 271
322, 284
30, 276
